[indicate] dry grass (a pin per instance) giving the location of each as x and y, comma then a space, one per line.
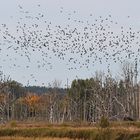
36, 124
23, 138
44, 131
44, 124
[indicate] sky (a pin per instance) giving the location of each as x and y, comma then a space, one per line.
9, 14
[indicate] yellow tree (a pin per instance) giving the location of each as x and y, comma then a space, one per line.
32, 101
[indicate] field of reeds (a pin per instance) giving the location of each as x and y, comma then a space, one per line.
23, 138
42, 131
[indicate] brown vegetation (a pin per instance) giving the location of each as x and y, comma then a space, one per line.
29, 131
23, 138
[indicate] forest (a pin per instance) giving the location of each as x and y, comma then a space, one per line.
86, 100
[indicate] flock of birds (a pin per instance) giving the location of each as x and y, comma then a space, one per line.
81, 43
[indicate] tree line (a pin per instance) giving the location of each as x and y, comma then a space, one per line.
86, 100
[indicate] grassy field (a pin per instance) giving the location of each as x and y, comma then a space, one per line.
23, 138
42, 131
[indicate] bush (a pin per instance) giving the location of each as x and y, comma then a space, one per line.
104, 122
13, 124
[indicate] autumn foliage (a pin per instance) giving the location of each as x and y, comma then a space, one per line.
32, 100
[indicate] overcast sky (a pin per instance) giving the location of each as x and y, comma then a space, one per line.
9, 13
